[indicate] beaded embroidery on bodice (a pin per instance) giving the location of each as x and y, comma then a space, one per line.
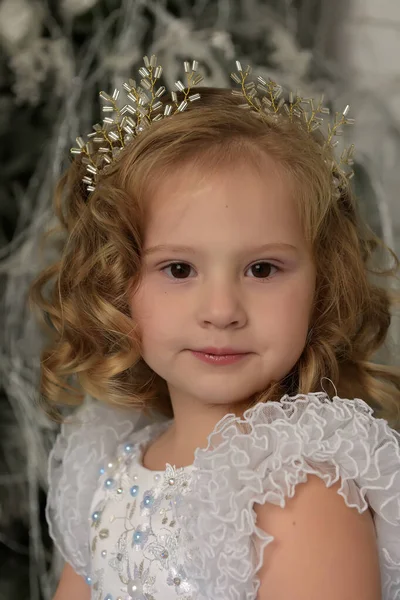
136, 543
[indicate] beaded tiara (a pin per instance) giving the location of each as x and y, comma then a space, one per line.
265, 97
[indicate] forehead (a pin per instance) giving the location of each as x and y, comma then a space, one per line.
240, 200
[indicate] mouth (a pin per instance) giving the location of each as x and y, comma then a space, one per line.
220, 356
225, 351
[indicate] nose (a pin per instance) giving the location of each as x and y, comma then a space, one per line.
221, 305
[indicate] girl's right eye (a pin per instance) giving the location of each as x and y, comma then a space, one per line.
178, 270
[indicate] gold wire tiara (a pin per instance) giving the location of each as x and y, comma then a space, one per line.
144, 107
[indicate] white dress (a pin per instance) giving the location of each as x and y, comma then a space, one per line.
190, 533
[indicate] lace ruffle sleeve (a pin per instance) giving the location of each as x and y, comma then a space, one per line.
83, 444
262, 457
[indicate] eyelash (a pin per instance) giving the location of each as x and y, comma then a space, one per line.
261, 262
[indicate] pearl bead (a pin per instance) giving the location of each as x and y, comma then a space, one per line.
135, 588
96, 516
88, 580
128, 448
110, 465
101, 471
104, 553
137, 536
134, 490
171, 481
119, 491
148, 500
109, 482
157, 477
108, 597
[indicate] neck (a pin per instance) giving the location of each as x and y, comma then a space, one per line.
193, 422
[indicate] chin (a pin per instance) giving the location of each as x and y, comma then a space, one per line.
224, 396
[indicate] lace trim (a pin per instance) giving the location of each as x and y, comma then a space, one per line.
262, 458
86, 441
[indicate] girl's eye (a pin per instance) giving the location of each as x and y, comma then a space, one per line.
262, 270
178, 270
181, 270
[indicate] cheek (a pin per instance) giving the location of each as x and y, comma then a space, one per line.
287, 314
153, 312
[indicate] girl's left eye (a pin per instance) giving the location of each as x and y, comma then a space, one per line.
262, 270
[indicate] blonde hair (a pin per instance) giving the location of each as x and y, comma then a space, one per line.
93, 335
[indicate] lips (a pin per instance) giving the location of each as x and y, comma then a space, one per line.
220, 356
220, 351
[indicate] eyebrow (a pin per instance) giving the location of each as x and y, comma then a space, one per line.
188, 250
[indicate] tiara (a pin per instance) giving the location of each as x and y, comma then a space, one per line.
265, 97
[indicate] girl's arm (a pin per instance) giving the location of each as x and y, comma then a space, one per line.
321, 548
71, 586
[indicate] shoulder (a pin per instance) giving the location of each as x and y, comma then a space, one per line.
328, 548
313, 466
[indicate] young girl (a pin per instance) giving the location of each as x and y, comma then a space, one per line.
215, 276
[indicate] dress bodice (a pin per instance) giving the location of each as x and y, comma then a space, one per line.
135, 539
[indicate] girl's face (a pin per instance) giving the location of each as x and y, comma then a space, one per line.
225, 266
